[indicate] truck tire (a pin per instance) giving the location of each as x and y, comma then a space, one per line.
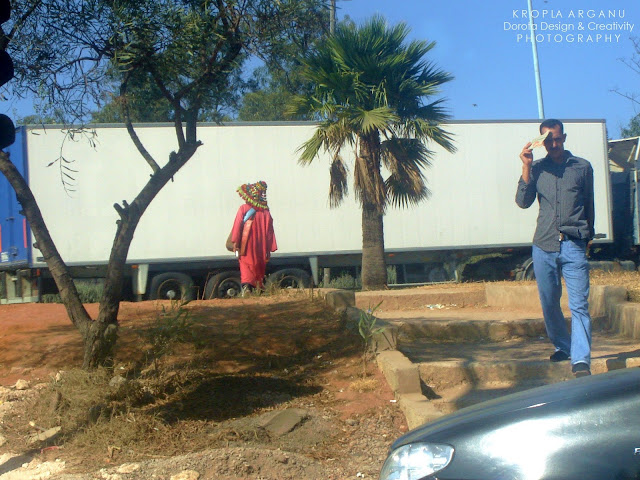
172, 286
223, 285
526, 272
289, 278
437, 274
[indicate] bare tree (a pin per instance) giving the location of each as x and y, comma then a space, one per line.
633, 62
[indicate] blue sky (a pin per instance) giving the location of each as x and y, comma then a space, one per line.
493, 67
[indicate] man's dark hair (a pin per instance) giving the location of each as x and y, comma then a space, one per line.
552, 123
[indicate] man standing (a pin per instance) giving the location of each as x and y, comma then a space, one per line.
563, 185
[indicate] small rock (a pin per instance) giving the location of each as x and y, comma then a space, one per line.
351, 422
186, 475
117, 381
2, 440
109, 476
22, 385
128, 467
45, 436
280, 422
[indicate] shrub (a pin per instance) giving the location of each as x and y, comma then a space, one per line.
89, 293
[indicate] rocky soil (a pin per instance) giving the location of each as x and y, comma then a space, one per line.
335, 424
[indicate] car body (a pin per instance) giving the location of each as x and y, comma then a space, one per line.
582, 429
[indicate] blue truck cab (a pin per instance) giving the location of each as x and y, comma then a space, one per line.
16, 282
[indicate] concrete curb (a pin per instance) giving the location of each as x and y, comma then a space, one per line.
402, 376
413, 298
490, 330
608, 305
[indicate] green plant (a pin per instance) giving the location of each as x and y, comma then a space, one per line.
51, 298
88, 292
344, 281
367, 330
348, 282
392, 275
172, 326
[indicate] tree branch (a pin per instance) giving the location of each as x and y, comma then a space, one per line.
132, 133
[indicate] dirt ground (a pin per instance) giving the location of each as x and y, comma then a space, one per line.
243, 360
208, 400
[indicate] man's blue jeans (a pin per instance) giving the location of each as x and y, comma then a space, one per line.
570, 263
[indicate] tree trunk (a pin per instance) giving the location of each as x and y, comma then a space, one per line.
100, 340
58, 269
374, 268
99, 336
373, 200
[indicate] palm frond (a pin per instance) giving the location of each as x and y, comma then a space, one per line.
406, 159
338, 186
404, 190
432, 78
376, 119
428, 131
310, 149
369, 81
399, 151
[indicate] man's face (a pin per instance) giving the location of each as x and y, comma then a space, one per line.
555, 143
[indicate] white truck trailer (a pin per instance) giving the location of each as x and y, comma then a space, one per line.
179, 245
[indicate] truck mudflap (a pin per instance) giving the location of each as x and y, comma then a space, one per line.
19, 286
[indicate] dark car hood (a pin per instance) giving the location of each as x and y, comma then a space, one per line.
558, 396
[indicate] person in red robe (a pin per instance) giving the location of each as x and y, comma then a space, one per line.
252, 235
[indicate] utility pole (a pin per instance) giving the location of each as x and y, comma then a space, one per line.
536, 66
332, 17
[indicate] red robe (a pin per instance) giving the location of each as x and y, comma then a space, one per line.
261, 242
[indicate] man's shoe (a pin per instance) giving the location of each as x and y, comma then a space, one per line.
580, 369
559, 356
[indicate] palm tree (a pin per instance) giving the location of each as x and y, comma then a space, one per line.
370, 91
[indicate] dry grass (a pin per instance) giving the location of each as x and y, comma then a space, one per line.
226, 361
629, 280
364, 385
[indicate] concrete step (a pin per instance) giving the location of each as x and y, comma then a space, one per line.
461, 347
452, 399
464, 325
463, 377
422, 297
457, 375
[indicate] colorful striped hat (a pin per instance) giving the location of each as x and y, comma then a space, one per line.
254, 194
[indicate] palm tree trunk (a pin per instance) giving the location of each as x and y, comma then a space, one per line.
374, 268
373, 197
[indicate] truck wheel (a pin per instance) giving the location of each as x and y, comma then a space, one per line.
437, 274
289, 278
172, 286
223, 285
527, 272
